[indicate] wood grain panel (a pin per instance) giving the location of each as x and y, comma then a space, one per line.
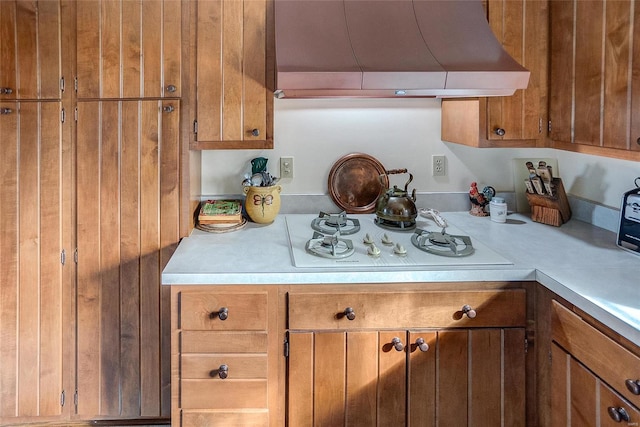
392, 371
30, 43
422, 380
241, 366
88, 49
515, 382
132, 50
589, 72
362, 379
300, 379
485, 367
635, 83
617, 51
225, 419
329, 379
453, 365
223, 394
232, 69
246, 312
220, 342
562, 71
254, 78
152, 47
583, 396
124, 197
560, 388
171, 48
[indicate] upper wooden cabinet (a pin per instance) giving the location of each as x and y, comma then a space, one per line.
594, 81
30, 48
518, 120
129, 49
234, 70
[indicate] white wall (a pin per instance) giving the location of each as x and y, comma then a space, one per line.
400, 133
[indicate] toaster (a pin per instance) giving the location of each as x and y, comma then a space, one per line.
629, 230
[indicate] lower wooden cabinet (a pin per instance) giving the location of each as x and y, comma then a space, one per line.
592, 377
436, 361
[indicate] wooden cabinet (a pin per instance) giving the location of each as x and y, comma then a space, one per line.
128, 168
593, 80
224, 351
513, 121
36, 272
129, 49
234, 62
589, 375
30, 48
406, 358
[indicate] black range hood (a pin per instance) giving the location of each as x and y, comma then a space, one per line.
390, 48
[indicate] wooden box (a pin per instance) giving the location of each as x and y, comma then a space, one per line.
553, 210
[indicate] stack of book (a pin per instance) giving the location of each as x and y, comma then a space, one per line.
220, 214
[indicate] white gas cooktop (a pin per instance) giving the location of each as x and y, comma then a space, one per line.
388, 241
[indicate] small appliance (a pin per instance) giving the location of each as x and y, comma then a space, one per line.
629, 231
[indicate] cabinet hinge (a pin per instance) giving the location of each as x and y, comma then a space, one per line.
549, 126
526, 345
62, 398
75, 255
540, 125
75, 114
75, 399
75, 84
195, 127
286, 348
63, 257
62, 84
62, 116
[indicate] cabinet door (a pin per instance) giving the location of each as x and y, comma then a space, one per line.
593, 85
467, 378
35, 284
511, 121
127, 195
128, 49
30, 48
234, 105
346, 378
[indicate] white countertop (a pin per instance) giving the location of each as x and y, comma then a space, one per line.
577, 261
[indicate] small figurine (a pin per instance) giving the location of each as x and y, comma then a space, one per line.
480, 200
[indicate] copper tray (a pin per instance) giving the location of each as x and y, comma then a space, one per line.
354, 183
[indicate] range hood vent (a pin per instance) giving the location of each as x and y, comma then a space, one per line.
390, 48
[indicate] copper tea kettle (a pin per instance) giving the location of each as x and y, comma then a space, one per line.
395, 204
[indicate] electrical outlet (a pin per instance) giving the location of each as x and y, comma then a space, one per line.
286, 167
439, 165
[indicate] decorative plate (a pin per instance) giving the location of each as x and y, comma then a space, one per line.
355, 183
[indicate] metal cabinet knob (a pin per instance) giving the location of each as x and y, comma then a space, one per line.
618, 414
499, 131
168, 109
422, 345
633, 386
222, 372
349, 313
5, 111
638, 141
222, 314
6, 91
468, 311
171, 88
397, 344
255, 132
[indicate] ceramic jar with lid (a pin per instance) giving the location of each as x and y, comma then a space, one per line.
262, 203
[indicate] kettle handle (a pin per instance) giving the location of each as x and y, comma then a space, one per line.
395, 171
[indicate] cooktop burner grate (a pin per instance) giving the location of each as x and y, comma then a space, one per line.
332, 223
395, 225
329, 246
442, 243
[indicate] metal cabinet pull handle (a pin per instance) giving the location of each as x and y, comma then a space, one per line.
171, 88
349, 313
499, 131
6, 91
618, 414
255, 132
222, 372
470, 312
5, 111
397, 344
422, 345
168, 109
633, 386
222, 314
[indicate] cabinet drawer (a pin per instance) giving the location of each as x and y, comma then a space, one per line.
223, 394
604, 357
223, 342
225, 419
220, 311
240, 366
442, 309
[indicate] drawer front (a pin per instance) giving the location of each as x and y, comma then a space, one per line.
219, 311
442, 309
239, 366
223, 394
604, 357
225, 419
223, 342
